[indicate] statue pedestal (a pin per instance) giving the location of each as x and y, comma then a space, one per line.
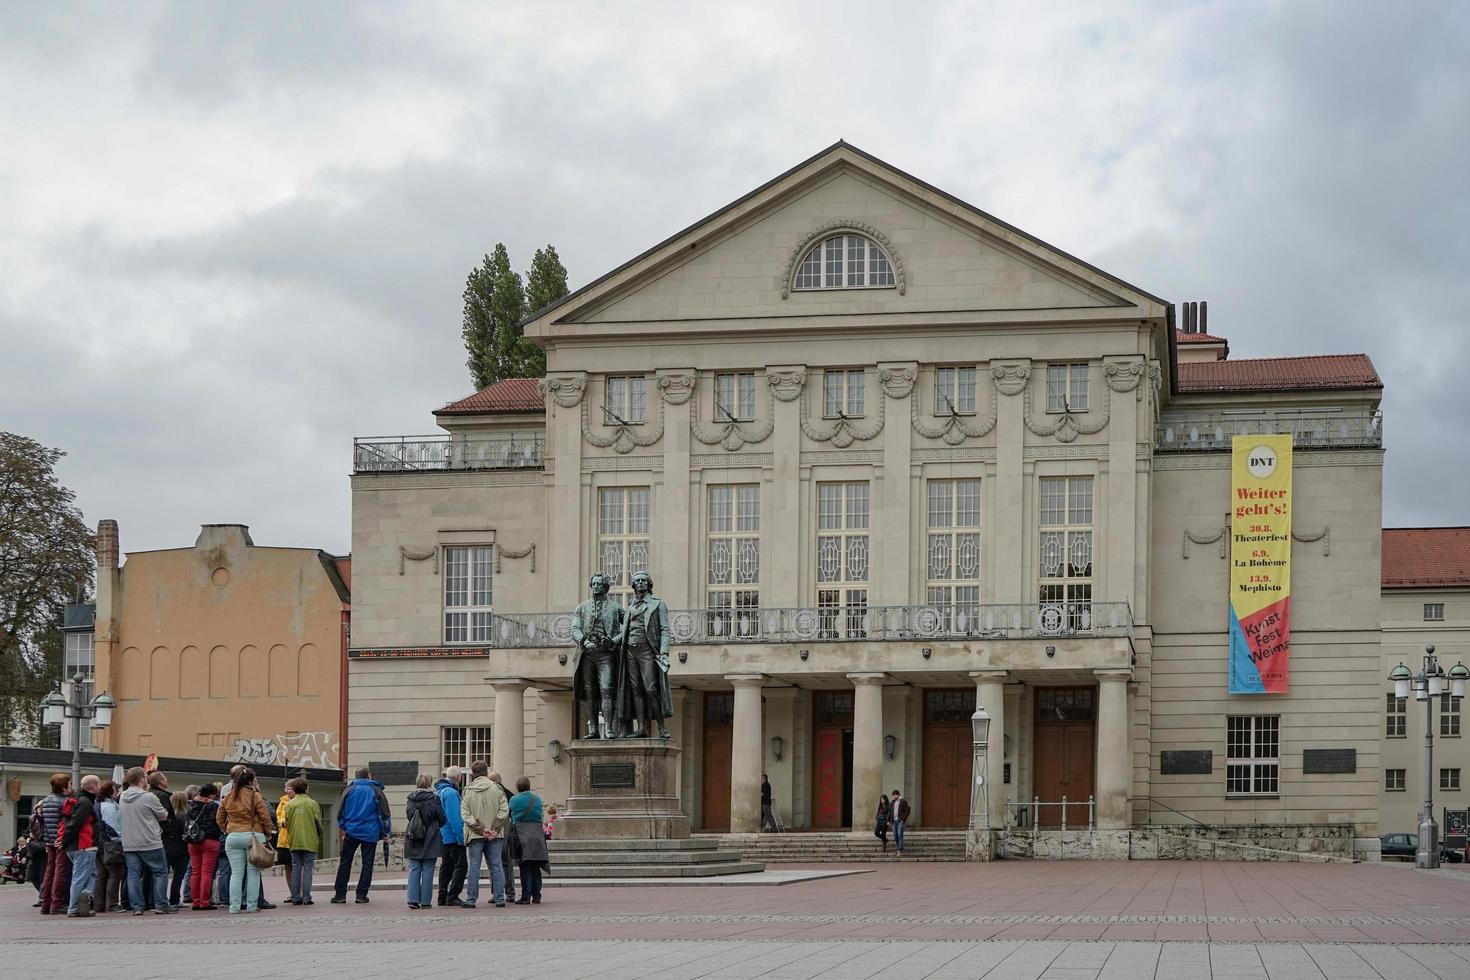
623, 789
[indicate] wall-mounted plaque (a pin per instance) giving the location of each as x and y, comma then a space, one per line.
1329, 761
612, 775
1186, 762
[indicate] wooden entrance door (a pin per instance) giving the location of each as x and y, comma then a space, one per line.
832, 759
719, 713
1066, 746
948, 764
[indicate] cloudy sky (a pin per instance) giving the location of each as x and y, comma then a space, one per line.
233, 236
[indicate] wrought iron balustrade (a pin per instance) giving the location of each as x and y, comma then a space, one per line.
1179, 432
814, 624
406, 454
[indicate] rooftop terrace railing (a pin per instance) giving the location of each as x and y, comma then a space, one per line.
817, 624
1183, 432
407, 454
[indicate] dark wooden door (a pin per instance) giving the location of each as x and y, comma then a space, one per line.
718, 712
1066, 747
947, 771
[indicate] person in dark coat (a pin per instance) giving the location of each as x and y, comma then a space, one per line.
526, 818
422, 843
880, 825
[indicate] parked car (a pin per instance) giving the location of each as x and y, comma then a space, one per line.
1405, 846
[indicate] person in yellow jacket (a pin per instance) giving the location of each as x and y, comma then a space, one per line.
283, 842
303, 821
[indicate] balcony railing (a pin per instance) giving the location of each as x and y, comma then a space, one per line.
402, 454
821, 624
1183, 432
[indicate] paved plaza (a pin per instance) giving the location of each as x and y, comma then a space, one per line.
1010, 919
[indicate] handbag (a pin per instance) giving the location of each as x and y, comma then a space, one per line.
112, 851
262, 854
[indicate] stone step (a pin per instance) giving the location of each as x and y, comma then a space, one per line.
635, 844
710, 856
843, 847
655, 870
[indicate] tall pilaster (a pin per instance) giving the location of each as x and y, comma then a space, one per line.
867, 742
676, 388
1126, 379
1008, 488
896, 379
1114, 753
508, 736
564, 391
782, 587
990, 694
745, 754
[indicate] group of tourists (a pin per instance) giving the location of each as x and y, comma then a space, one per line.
95, 848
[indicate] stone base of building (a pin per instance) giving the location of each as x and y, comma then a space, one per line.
623, 789
1244, 842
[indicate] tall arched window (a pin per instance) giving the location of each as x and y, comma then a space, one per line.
845, 261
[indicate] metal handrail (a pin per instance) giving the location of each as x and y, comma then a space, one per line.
1016, 813
403, 454
818, 624
1187, 431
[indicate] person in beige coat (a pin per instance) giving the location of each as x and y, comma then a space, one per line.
486, 812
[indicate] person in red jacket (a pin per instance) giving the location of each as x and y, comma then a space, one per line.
79, 839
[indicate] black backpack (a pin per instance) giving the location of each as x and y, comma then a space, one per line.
194, 826
417, 830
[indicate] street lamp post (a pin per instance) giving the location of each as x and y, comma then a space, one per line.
980, 753
57, 709
1428, 685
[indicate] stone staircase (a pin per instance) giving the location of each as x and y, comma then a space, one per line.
841, 847
693, 857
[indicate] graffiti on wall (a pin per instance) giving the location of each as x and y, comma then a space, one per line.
314, 750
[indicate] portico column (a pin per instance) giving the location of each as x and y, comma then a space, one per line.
1113, 758
508, 746
867, 743
745, 754
990, 694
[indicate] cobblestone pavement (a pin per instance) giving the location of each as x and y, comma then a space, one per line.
1010, 919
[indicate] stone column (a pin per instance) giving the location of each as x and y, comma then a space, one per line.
557, 717
1114, 760
990, 694
508, 746
746, 754
867, 743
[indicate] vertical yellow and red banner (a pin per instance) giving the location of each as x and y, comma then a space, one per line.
1260, 564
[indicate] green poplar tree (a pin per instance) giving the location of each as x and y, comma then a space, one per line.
546, 282
494, 305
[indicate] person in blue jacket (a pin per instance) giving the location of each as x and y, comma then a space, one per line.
452, 868
362, 821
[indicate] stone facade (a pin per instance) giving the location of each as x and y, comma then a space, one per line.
1096, 628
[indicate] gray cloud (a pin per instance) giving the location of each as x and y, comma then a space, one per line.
234, 237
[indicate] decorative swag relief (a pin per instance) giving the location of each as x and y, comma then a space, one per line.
566, 392
732, 435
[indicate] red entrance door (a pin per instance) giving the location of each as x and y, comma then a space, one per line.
832, 759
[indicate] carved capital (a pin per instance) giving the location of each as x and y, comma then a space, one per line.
676, 388
897, 382
1011, 379
786, 383
565, 391
1124, 376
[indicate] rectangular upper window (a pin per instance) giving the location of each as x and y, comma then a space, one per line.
842, 394
1253, 755
954, 391
1398, 718
1449, 780
1449, 716
623, 539
734, 560
463, 745
468, 597
1066, 387
1393, 780
735, 396
626, 400
1433, 612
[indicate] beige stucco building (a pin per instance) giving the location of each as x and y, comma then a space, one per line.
224, 650
887, 458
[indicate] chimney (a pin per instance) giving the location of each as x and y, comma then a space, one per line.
1204, 317
106, 546
105, 630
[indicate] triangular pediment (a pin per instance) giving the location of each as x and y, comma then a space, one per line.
950, 258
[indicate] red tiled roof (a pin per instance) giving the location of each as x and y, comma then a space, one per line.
1426, 557
1199, 338
1280, 373
504, 396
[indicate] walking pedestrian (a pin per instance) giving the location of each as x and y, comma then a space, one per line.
530, 835
363, 820
453, 866
111, 867
175, 851
508, 854
880, 823
768, 819
56, 883
79, 839
304, 830
204, 838
35, 853
142, 819
246, 820
422, 843
898, 815
486, 813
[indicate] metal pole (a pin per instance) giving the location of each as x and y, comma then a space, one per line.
1428, 853
74, 709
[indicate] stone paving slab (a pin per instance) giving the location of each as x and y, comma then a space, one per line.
767, 878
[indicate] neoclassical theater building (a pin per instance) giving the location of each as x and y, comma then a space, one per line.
887, 458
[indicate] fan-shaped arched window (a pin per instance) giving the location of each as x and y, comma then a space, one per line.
845, 261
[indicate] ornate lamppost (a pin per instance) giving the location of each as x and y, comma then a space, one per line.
980, 749
1428, 685
57, 709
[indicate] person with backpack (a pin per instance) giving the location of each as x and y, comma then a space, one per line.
79, 839
204, 839
303, 828
422, 844
56, 883
111, 870
453, 866
363, 819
